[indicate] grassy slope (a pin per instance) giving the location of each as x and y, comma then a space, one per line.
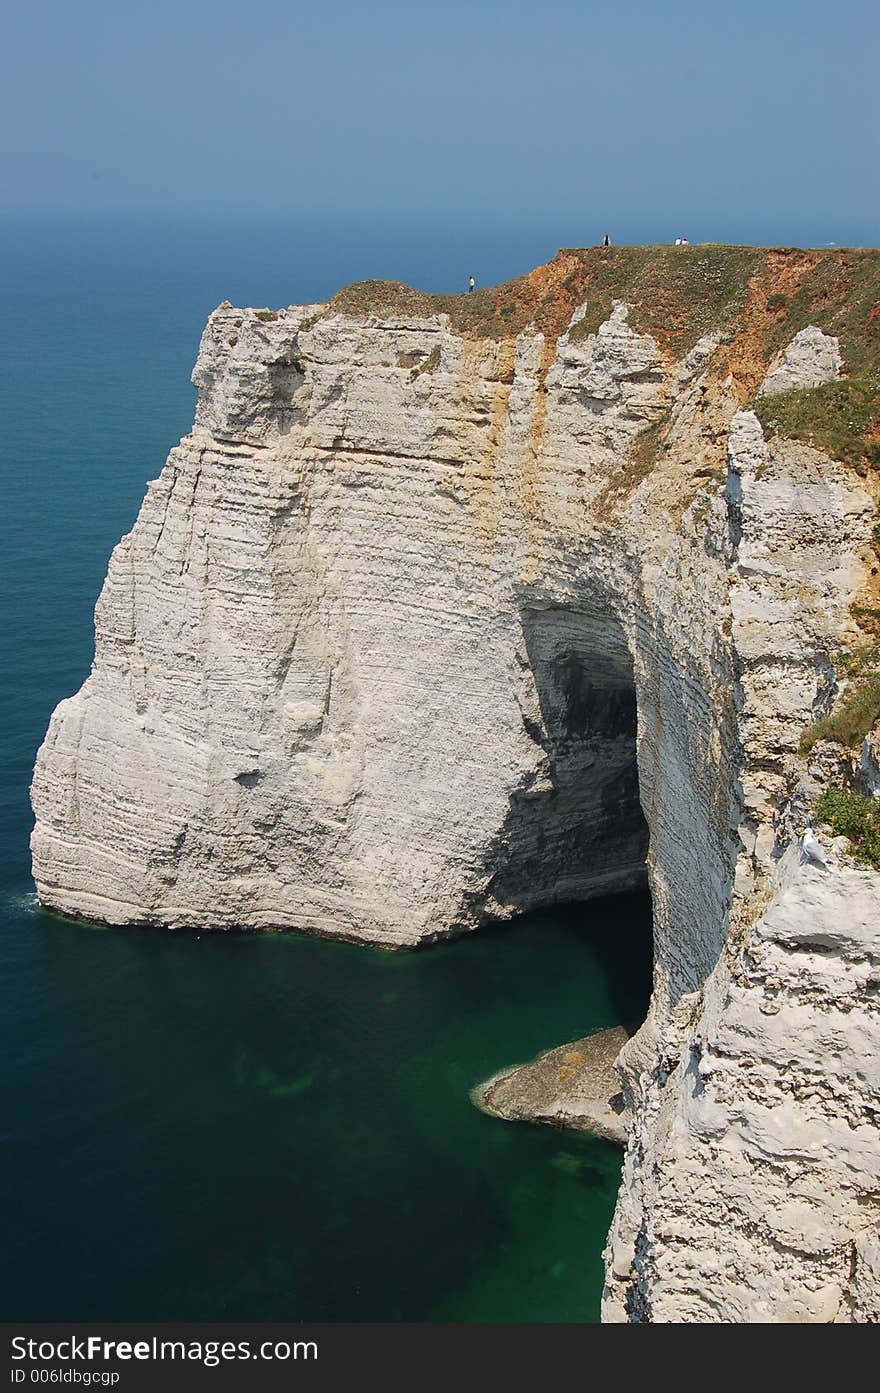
841, 293
757, 297
677, 293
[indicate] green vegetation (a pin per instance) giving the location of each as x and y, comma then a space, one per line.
676, 293
837, 417
840, 292
756, 298
852, 815
694, 293
861, 661
645, 449
497, 312
867, 618
428, 364
858, 710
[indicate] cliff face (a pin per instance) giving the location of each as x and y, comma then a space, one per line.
444, 608
751, 1182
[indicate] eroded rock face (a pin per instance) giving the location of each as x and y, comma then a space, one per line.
403, 640
797, 520
765, 1114
810, 359
574, 1085
870, 763
335, 687
749, 1176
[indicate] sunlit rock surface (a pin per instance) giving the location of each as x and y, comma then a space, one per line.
427, 623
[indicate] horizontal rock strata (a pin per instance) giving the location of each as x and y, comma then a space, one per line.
451, 608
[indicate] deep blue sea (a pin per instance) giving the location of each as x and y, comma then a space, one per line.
245, 1127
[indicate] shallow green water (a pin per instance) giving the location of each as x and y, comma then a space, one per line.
279, 1127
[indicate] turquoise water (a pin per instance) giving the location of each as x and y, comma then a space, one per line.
277, 1128
243, 1127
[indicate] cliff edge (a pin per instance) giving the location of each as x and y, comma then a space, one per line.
450, 607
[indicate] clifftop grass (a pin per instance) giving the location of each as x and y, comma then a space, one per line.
840, 292
757, 297
676, 293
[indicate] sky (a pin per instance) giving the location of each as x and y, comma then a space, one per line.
753, 120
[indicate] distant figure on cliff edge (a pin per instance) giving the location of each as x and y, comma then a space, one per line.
606, 240
471, 284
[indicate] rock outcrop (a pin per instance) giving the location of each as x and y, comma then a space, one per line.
441, 611
575, 1085
751, 1185
809, 360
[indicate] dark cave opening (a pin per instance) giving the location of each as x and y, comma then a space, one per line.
576, 829
574, 857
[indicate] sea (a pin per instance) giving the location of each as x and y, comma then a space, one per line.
240, 1127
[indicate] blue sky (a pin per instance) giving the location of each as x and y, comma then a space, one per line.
734, 121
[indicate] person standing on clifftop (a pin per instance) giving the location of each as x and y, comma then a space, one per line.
606, 240
471, 284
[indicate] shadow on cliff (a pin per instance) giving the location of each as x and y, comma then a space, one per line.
576, 831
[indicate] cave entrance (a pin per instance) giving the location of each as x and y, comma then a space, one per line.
577, 830
575, 849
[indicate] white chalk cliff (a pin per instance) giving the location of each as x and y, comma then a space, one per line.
403, 640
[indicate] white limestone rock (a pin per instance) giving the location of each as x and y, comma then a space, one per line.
870, 763
764, 1207
318, 700
379, 659
812, 357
